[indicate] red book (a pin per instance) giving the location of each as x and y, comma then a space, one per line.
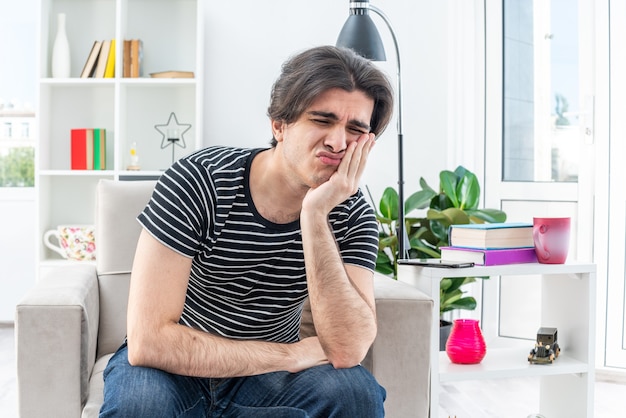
81, 149
482, 257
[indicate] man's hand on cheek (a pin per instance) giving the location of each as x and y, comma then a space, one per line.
345, 181
358, 160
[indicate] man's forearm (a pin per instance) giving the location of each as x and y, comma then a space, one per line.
345, 319
182, 350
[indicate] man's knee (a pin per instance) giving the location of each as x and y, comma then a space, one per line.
132, 392
359, 384
144, 392
350, 392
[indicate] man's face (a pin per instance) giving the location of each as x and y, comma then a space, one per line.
312, 147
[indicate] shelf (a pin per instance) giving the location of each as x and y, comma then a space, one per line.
141, 173
100, 173
148, 81
128, 108
509, 269
570, 375
77, 173
76, 82
139, 81
507, 363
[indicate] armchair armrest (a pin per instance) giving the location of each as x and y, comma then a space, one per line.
400, 355
56, 323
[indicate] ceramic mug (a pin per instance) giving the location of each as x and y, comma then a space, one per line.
551, 238
75, 242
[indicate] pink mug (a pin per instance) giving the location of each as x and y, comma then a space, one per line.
551, 238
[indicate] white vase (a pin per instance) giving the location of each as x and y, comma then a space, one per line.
61, 50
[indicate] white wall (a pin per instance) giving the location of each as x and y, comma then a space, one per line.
17, 249
246, 42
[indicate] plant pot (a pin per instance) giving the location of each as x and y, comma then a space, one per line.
444, 332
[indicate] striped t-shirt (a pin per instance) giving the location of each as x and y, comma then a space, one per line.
248, 279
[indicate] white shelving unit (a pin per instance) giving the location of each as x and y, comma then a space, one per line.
568, 297
128, 108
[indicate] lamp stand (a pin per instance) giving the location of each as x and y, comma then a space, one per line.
403, 240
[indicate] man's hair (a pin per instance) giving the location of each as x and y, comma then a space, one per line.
309, 74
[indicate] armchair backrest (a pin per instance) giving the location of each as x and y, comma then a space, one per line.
117, 230
117, 205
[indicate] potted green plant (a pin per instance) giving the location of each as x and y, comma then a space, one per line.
456, 202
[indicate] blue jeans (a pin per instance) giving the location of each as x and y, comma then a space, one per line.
320, 391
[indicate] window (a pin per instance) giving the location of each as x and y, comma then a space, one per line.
17, 152
18, 48
541, 126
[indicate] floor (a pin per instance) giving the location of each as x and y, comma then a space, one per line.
518, 398
484, 399
8, 384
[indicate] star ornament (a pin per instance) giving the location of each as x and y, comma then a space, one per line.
173, 132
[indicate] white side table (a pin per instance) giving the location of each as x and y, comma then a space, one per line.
568, 303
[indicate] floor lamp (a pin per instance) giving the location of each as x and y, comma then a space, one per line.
360, 34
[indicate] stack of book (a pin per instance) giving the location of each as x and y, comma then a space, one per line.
100, 62
491, 244
88, 149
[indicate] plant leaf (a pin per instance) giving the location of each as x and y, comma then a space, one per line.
445, 284
428, 252
389, 204
468, 191
419, 200
386, 269
467, 303
457, 282
384, 264
448, 181
486, 215
388, 241
441, 202
425, 185
449, 216
460, 171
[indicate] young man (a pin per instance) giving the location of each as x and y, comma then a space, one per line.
234, 241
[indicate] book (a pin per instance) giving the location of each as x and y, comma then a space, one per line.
109, 71
136, 58
483, 257
81, 149
99, 149
494, 235
102, 59
173, 74
90, 64
126, 58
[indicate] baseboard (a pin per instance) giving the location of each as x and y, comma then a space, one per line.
611, 375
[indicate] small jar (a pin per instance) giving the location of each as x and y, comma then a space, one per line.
466, 344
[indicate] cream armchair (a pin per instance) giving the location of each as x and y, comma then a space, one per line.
70, 323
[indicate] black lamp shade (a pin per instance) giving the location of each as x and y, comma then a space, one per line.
360, 34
